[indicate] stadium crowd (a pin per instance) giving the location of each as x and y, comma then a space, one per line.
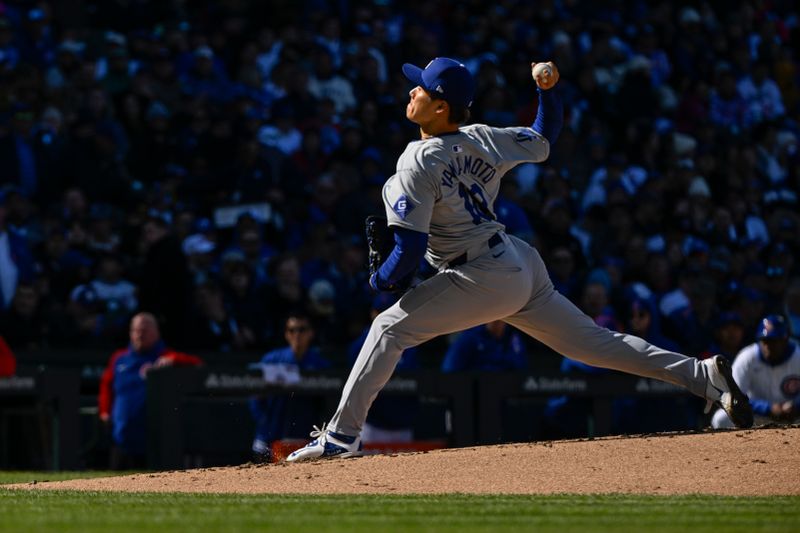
212, 162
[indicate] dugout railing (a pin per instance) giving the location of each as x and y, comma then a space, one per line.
495, 390
39, 419
173, 392
204, 410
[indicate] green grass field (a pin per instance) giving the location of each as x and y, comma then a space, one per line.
64, 511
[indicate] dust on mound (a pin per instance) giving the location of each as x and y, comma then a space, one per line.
743, 463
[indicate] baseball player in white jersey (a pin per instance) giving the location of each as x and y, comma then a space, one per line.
439, 203
769, 372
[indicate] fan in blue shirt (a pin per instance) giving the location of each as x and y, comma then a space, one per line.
270, 412
493, 347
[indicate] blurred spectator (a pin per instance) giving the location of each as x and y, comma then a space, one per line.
58, 76
63, 265
122, 397
353, 295
214, 327
562, 268
25, 326
768, 371
111, 288
83, 324
322, 312
727, 107
492, 347
284, 134
555, 231
103, 306
595, 301
16, 262
750, 307
8, 364
164, 281
245, 302
643, 321
284, 293
729, 336
511, 214
325, 83
775, 287
692, 325
198, 250
637, 96
285, 365
761, 95
101, 235
256, 253
297, 103
207, 77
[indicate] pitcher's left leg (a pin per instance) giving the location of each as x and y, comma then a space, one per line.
450, 301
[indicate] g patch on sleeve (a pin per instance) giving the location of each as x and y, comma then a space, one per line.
403, 206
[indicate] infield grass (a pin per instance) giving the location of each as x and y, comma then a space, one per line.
65, 512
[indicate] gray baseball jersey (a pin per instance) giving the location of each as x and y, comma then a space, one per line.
441, 180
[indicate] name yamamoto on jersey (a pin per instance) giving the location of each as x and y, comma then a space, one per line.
467, 164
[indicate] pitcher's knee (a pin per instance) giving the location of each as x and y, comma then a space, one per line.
383, 322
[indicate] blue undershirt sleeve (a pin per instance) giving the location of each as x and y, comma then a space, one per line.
760, 407
550, 116
409, 249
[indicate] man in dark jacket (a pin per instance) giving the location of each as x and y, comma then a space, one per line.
164, 282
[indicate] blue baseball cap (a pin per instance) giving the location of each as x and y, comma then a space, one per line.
772, 327
447, 78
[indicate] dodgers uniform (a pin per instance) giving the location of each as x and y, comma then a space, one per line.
444, 189
502, 277
764, 382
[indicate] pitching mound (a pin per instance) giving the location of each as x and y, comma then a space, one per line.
754, 462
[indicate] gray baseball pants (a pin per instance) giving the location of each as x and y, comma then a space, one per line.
508, 282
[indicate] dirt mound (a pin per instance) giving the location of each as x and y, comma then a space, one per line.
743, 463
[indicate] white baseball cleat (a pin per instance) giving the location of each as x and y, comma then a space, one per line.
722, 390
326, 444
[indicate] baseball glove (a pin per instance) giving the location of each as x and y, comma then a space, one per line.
380, 239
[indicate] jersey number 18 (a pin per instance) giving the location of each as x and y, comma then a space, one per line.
475, 203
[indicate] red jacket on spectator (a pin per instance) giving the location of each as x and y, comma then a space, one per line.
8, 364
105, 397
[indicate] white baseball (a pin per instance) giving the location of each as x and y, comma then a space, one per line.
540, 69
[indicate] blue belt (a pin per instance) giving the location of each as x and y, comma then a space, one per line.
494, 240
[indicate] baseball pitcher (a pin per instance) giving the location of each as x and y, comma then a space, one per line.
439, 204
